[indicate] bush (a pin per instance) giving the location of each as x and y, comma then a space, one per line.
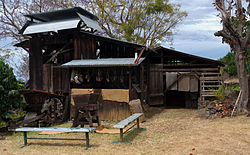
230, 67
10, 98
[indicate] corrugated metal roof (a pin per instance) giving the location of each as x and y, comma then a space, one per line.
67, 13
105, 62
51, 26
60, 20
90, 23
187, 57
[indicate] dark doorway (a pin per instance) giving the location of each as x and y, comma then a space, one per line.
180, 99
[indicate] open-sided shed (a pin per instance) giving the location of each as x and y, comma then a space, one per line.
67, 55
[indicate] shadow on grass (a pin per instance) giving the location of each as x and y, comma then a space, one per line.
153, 110
47, 144
131, 135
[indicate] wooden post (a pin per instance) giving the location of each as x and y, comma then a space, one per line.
130, 83
138, 123
142, 82
36, 64
121, 135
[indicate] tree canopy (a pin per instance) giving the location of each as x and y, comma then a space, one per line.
145, 22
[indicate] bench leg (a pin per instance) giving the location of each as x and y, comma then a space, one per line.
138, 123
87, 140
25, 139
121, 135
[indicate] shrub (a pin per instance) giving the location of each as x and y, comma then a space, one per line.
9, 92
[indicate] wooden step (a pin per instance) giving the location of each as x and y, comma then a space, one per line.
210, 78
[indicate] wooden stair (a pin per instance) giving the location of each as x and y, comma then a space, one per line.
209, 81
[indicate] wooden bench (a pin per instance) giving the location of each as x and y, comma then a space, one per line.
124, 123
27, 129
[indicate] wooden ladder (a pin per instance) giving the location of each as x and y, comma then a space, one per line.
209, 81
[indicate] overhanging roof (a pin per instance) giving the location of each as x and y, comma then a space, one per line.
68, 13
60, 20
51, 26
105, 62
187, 57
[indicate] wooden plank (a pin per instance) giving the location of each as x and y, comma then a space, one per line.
142, 82
127, 121
188, 69
155, 84
211, 78
194, 84
211, 86
118, 95
56, 129
184, 84
210, 73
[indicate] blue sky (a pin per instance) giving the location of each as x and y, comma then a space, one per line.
195, 35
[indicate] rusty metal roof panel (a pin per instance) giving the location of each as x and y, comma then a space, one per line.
105, 62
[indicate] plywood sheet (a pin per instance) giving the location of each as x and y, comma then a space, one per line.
194, 84
184, 83
118, 95
171, 77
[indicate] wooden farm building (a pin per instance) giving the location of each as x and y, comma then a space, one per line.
68, 55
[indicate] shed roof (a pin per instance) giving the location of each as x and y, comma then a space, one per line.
189, 58
60, 20
105, 62
68, 13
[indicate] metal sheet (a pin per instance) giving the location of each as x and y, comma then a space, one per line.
108, 62
171, 77
51, 26
90, 23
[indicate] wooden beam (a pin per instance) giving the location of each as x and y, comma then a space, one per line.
36, 64
186, 70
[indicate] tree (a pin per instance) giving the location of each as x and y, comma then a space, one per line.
236, 32
9, 91
146, 22
230, 67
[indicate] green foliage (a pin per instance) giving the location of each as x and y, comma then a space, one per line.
9, 92
230, 67
220, 94
145, 22
2, 124
229, 61
235, 88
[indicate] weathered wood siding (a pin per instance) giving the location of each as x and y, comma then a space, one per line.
113, 103
35, 64
156, 95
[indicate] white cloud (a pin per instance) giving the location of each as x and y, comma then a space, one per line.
196, 34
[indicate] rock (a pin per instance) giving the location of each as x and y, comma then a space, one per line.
2, 137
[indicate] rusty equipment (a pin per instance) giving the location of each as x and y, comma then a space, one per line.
43, 108
86, 109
